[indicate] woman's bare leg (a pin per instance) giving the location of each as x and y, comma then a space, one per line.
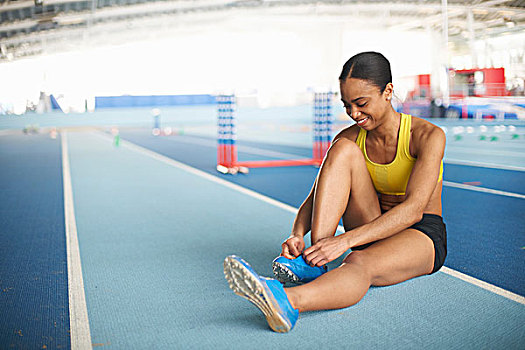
398, 258
343, 189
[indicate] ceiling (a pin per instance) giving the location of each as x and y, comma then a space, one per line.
34, 27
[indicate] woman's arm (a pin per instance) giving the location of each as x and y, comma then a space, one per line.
421, 185
294, 245
303, 219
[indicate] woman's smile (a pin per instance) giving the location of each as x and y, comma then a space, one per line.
362, 121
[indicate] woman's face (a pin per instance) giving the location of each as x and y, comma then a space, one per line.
364, 102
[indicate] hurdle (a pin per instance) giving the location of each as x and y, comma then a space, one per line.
227, 160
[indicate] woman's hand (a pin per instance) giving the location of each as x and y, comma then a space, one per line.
325, 250
292, 247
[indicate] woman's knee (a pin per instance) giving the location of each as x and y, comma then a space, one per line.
359, 259
356, 257
344, 149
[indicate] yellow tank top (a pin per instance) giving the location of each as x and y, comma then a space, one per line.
392, 178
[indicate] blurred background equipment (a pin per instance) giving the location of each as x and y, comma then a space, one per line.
445, 55
227, 160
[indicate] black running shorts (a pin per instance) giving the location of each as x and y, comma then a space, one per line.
433, 226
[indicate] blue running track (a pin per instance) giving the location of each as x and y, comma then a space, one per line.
153, 234
33, 272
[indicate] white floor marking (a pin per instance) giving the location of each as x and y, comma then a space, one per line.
483, 165
171, 162
477, 151
483, 189
200, 173
484, 285
78, 316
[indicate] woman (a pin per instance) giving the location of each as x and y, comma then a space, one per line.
383, 177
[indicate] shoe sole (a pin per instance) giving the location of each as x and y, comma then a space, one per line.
283, 274
248, 286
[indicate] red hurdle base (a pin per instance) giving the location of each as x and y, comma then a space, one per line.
228, 164
278, 163
244, 167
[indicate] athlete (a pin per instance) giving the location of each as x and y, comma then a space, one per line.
383, 177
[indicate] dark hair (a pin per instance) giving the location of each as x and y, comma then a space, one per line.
370, 66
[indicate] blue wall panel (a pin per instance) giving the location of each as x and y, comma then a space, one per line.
152, 101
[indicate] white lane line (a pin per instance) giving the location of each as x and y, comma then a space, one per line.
483, 165
197, 172
478, 151
484, 285
171, 162
78, 316
483, 189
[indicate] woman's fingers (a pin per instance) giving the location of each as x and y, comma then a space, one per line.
295, 249
285, 250
309, 250
323, 262
315, 261
288, 256
314, 256
309, 257
292, 247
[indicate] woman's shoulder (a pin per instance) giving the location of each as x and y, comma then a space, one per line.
421, 127
350, 133
424, 131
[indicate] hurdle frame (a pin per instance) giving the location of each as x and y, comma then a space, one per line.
227, 160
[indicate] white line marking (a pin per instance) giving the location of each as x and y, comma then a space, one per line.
200, 173
484, 285
169, 161
483, 165
78, 316
477, 151
483, 189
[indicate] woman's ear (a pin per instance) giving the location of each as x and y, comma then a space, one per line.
389, 91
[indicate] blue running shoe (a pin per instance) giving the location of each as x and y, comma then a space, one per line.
266, 293
295, 270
